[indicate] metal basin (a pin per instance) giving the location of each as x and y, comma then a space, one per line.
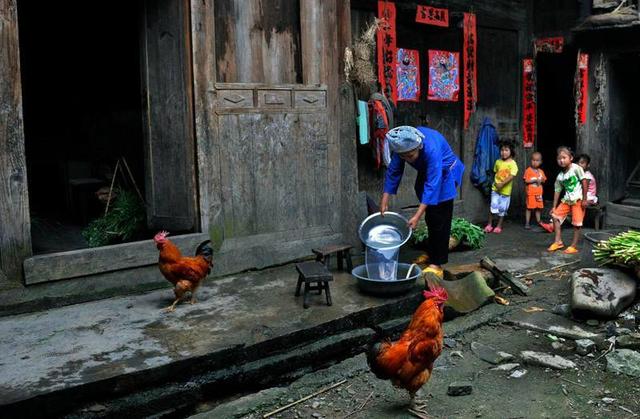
388, 232
385, 287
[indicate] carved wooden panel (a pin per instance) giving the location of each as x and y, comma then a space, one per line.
274, 98
310, 99
234, 98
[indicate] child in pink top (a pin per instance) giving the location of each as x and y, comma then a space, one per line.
592, 191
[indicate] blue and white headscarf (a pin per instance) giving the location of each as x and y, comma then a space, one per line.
403, 139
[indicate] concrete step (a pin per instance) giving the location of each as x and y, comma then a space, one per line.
128, 348
622, 215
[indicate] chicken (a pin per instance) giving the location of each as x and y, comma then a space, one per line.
185, 273
408, 361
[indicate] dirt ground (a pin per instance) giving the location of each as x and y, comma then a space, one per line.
587, 391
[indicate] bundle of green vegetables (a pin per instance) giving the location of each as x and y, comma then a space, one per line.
125, 218
623, 248
461, 230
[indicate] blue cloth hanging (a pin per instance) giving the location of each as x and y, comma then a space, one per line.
363, 122
486, 154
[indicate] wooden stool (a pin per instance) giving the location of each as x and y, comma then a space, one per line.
310, 273
598, 216
323, 254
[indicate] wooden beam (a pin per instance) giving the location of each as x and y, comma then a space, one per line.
15, 230
84, 262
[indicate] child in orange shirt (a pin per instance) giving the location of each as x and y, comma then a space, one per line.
534, 177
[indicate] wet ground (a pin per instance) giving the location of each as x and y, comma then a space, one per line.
248, 348
587, 391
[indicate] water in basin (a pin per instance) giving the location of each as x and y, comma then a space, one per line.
381, 258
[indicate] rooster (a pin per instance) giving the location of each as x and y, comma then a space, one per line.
185, 273
408, 361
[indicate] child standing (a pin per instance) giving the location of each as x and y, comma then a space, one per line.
534, 177
592, 191
572, 181
505, 170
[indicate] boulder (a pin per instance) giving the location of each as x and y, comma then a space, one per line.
461, 388
489, 354
631, 341
601, 292
585, 346
546, 360
624, 361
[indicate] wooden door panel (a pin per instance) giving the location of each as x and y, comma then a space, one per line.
274, 172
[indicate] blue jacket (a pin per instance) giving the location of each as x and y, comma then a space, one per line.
486, 154
439, 170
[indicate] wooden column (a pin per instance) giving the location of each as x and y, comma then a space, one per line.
311, 31
15, 232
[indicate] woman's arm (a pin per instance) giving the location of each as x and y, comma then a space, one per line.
391, 181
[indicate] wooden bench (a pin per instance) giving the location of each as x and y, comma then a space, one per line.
313, 273
343, 251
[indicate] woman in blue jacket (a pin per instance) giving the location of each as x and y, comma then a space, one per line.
439, 174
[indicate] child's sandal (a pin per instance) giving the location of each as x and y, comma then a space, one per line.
555, 246
488, 228
497, 230
570, 250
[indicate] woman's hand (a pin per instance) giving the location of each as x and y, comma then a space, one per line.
413, 222
384, 204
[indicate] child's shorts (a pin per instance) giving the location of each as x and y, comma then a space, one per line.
499, 203
534, 202
577, 213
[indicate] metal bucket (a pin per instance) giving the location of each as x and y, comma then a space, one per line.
388, 232
387, 288
383, 237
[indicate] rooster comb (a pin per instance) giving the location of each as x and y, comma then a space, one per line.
162, 234
437, 293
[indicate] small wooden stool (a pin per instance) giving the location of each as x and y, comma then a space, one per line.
323, 254
310, 273
598, 216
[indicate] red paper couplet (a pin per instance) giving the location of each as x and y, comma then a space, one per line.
469, 48
386, 40
528, 102
432, 16
553, 44
582, 87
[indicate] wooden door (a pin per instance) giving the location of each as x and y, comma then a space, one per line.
167, 95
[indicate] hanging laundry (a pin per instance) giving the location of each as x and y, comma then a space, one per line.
381, 120
486, 154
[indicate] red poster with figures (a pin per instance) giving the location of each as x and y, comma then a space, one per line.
386, 40
444, 75
528, 102
469, 48
553, 44
432, 16
582, 88
408, 75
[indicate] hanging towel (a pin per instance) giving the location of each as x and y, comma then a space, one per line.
363, 122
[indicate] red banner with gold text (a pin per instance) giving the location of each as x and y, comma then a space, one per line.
469, 48
386, 43
432, 16
528, 102
582, 88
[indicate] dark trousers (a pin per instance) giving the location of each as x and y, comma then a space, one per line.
438, 219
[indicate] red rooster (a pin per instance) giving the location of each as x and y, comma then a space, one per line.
185, 273
408, 361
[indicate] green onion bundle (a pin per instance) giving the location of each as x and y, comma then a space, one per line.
461, 229
623, 248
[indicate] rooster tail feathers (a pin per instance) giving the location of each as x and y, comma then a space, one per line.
373, 351
205, 250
